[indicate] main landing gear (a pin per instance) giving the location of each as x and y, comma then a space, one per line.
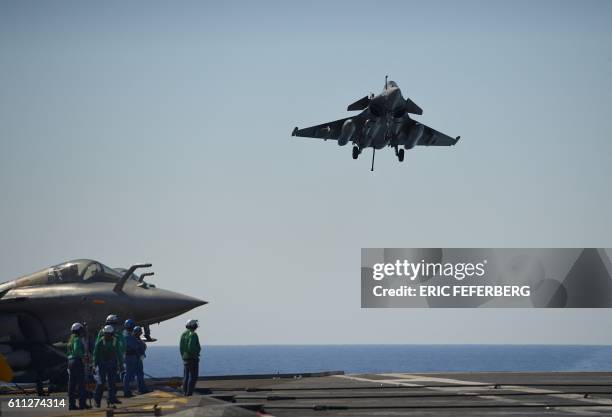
357, 151
400, 154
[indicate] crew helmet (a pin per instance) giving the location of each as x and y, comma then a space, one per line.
76, 327
108, 329
129, 324
137, 331
192, 324
112, 319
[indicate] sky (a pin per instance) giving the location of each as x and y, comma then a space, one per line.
161, 132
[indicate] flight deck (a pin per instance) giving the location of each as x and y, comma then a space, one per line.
331, 394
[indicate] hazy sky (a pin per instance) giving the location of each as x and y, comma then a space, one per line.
160, 131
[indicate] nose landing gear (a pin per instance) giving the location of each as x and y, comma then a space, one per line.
356, 152
400, 154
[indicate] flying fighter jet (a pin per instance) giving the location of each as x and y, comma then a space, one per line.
36, 311
384, 121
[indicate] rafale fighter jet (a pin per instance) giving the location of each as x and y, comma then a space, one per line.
384, 121
36, 311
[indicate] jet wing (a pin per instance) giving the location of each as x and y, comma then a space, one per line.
426, 136
323, 131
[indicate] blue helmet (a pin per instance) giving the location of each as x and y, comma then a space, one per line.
129, 324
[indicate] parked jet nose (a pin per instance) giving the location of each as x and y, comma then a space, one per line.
162, 304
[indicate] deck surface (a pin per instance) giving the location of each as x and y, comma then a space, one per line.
390, 394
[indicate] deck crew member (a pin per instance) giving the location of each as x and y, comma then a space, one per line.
134, 357
76, 368
142, 388
113, 320
190, 352
128, 327
106, 357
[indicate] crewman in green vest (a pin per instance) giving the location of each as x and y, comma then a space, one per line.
76, 368
113, 320
190, 353
106, 357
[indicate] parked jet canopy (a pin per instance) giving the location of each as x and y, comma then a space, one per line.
38, 310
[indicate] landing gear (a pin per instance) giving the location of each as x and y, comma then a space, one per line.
373, 155
399, 153
147, 334
356, 152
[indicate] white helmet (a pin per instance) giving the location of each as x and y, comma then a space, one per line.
112, 319
76, 327
108, 329
192, 324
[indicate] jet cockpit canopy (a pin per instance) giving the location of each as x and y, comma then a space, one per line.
82, 270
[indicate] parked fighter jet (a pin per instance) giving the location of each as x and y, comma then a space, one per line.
384, 121
36, 311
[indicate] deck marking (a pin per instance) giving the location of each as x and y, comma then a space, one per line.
376, 381
402, 380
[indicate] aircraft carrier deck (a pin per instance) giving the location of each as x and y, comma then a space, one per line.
331, 394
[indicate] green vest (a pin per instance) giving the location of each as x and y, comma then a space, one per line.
190, 345
105, 351
75, 348
118, 336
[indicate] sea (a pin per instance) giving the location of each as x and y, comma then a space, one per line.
165, 361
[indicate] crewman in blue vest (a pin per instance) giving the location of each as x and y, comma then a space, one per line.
134, 357
133, 351
128, 327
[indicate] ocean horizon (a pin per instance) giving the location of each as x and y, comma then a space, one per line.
165, 361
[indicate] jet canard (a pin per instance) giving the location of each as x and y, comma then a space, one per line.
384, 121
36, 310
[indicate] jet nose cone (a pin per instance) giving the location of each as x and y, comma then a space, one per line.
193, 302
164, 304
182, 301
